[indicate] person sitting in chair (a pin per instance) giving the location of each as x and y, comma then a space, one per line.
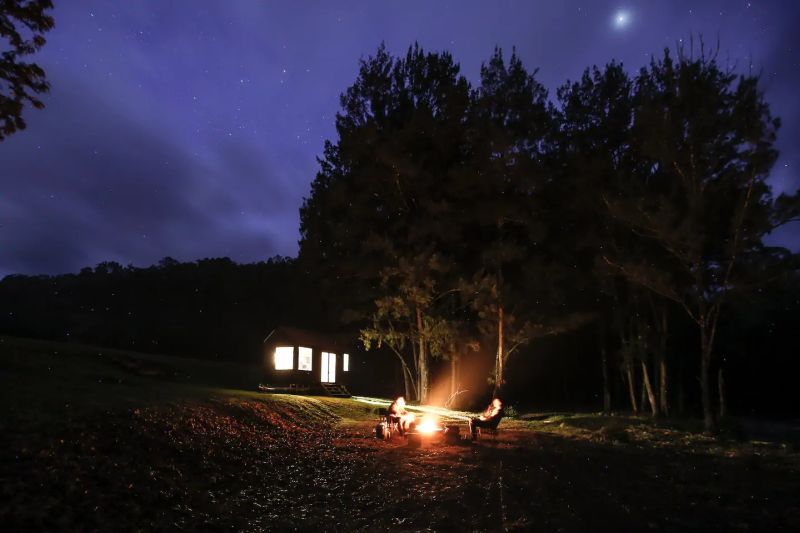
398, 413
488, 419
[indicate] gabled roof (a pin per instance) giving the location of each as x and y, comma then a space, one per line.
304, 337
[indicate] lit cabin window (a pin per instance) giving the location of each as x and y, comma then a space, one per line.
345, 362
304, 359
284, 358
328, 368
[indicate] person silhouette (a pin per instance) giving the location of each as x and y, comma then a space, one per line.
488, 419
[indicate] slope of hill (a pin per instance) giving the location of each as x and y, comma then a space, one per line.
104, 440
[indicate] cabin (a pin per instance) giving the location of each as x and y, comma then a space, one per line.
303, 361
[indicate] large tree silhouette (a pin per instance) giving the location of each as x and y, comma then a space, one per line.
23, 24
699, 204
369, 229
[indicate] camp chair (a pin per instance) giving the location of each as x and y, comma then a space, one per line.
391, 421
491, 428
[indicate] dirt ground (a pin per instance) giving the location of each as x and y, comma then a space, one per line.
228, 463
529, 480
92, 444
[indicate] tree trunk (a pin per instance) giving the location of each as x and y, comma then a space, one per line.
662, 375
723, 406
606, 389
499, 360
642, 396
407, 383
453, 374
414, 376
705, 380
663, 394
631, 386
422, 366
651, 395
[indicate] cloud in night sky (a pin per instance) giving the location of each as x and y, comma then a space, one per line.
190, 130
107, 186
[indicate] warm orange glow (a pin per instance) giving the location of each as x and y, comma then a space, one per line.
428, 425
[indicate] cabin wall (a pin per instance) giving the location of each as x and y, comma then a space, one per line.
302, 377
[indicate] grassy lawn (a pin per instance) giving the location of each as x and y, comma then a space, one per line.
106, 440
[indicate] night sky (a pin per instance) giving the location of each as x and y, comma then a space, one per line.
190, 129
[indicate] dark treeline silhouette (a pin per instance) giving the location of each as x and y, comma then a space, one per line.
211, 308
217, 309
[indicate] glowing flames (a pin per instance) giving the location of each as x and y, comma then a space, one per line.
428, 425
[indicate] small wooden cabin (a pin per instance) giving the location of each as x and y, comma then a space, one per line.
298, 359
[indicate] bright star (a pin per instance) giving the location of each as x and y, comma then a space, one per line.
622, 19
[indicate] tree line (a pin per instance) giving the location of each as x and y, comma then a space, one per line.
210, 308
447, 218
217, 309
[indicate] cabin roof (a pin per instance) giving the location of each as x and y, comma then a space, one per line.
303, 337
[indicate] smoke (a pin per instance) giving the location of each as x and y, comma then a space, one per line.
464, 386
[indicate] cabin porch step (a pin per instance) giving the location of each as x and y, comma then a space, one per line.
334, 389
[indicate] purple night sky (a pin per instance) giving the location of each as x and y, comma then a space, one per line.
190, 129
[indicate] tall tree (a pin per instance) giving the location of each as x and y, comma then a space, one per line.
597, 161
511, 128
379, 203
413, 320
701, 204
23, 24
595, 120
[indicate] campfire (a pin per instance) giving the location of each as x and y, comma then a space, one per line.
429, 425
430, 429
418, 428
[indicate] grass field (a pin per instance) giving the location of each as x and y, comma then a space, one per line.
100, 439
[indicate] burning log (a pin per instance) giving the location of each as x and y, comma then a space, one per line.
427, 429
428, 426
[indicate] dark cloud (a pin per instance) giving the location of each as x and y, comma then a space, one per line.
110, 188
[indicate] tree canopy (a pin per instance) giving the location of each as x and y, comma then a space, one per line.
23, 24
502, 216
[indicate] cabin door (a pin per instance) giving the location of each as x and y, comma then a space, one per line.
328, 374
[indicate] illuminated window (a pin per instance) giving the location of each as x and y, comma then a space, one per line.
346, 362
304, 359
284, 358
328, 370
